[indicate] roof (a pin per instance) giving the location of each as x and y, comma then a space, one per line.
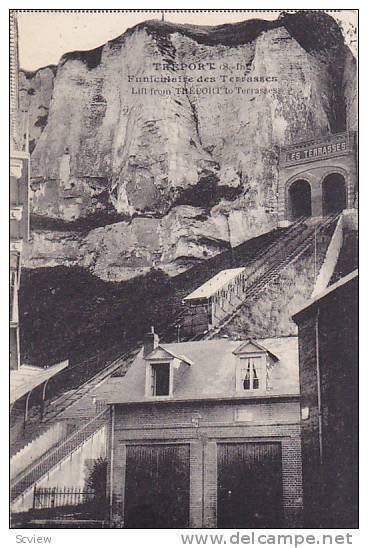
27, 377
330, 289
212, 373
161, 353
214, 284
251, 344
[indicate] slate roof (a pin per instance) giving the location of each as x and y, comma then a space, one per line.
215, 284
212, 372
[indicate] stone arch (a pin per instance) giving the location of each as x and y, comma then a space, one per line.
299, 198
334, 192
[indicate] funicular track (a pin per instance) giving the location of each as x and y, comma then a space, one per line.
295, 243
262, 257
258, 262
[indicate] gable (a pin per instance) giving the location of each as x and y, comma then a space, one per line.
250, 347
253, 347
159, 353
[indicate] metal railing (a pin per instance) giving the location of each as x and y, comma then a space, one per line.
24, 481
66, 387
51, 497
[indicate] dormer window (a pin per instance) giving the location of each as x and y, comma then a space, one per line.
250, 372
160, 379
252, 367
164, 369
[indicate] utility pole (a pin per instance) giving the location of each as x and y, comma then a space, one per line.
162, 16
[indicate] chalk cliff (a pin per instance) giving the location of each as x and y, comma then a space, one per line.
129, 173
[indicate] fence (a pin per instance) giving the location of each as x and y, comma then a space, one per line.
52, 497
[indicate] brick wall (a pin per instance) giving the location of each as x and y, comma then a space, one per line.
150, 423
330, 446
309, 400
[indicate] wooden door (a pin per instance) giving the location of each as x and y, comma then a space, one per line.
157, 486
249, 485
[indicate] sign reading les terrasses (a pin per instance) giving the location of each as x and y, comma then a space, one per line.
310, 153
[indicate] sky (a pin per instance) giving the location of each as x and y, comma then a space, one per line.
45, 36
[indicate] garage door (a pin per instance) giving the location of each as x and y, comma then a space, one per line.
157, 486
249, 491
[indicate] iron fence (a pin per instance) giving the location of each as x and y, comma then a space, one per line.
52, 497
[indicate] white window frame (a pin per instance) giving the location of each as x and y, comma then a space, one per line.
149, 373
261, 370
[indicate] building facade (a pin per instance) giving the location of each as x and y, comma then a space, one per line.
207, 434
19, 195
328, 359
317, 178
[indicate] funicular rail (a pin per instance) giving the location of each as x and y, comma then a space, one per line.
197, 323
293, 249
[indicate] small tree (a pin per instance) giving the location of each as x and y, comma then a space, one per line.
97, 478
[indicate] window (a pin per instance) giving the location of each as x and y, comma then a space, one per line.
253, 363
160, 379
250, 373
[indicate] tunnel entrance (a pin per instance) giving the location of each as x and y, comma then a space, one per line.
333, 194
300, 204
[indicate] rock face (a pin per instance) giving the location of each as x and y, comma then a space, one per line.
35, 93
141, 173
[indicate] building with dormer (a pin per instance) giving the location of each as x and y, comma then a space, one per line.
207, 434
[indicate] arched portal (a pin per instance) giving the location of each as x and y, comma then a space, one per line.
300, 204
333, 194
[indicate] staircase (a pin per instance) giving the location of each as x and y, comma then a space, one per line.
55, 456
274, 259
25, 480
36, 428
